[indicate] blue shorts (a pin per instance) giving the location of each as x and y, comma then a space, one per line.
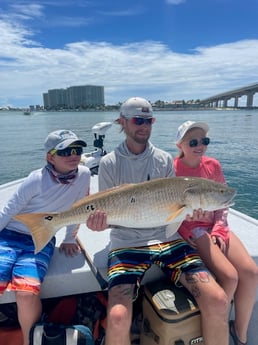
128, 265
20, 268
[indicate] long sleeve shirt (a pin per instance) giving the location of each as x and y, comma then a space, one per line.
40, 193
121, 166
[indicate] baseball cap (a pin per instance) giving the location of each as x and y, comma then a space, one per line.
186, 126
61, 139
136, 106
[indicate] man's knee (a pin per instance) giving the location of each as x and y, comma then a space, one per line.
215, 303
119, 311
119, 317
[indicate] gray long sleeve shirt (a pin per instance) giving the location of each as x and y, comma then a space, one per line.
121, 166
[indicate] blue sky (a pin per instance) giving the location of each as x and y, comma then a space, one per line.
158, 49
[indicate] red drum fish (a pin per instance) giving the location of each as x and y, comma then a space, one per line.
148, 204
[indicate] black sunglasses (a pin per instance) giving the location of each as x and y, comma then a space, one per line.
70, 151
195, 142
142, 120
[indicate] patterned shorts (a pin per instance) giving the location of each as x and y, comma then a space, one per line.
128, 265
20, 268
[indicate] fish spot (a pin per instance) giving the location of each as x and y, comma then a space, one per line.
90, 208
133, 200
49, 218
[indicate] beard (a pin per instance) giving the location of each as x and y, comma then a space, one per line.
139, 139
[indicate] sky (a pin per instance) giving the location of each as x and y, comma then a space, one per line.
157, 49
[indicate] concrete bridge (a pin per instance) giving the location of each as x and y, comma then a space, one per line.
221, 100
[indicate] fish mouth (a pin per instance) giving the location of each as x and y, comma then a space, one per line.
229, 203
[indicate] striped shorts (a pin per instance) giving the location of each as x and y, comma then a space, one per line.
20, 268
128, 265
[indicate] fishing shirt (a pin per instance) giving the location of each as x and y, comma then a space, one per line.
217, 224
122, 166
39, 192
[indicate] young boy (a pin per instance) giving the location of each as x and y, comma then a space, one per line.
54, 187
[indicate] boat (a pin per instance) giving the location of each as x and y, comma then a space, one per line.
27, 112
86, 272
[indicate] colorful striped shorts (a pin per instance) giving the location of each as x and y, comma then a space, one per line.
128, 265
20, 268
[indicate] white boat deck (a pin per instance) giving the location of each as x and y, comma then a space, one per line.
68, 275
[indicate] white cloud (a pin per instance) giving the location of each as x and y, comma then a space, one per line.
27, 10
148, 68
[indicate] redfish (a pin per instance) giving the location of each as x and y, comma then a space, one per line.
148, 204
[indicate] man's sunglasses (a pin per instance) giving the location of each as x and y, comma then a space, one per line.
195, 142
68, 151
138, 121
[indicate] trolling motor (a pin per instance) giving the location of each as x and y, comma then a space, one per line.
92, 159
99, 131
99, 141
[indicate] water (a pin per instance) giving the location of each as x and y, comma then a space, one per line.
233, 141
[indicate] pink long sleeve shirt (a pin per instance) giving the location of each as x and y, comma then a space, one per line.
216, 224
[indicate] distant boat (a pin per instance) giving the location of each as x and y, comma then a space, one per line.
27, 112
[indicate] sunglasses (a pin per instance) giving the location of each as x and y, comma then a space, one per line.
195, 142
69, 151
138, 121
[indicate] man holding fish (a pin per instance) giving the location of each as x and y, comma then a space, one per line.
55, 187
134, 250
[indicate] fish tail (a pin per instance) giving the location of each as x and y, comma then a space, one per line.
40, 231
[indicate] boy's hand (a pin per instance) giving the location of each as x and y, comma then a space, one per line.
69, 249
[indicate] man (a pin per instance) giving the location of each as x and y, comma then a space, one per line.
133, 251
55, 188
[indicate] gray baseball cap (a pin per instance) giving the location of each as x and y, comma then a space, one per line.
61, 139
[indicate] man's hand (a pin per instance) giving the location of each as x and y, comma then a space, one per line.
97, 221
70, 249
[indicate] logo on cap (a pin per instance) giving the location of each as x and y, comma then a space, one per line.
145, 110
66, 135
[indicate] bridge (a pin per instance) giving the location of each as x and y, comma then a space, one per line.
221, 100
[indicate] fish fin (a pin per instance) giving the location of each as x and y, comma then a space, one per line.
175, 212
176, 219
100, 194
89, 198
40, 232
172, 228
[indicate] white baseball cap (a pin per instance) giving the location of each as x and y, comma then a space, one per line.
136, 106
186, 126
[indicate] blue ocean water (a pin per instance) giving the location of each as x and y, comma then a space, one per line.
233, 133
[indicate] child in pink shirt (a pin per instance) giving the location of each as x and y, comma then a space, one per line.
221, 250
